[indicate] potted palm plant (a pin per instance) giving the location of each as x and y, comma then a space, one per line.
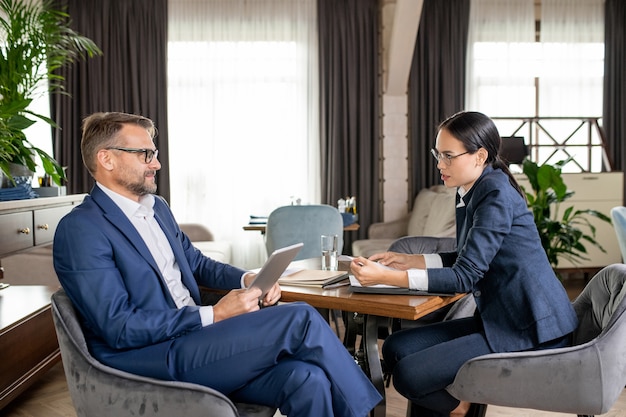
562, 235
35, 41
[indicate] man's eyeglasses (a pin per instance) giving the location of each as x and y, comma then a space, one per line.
149, 154
445, 157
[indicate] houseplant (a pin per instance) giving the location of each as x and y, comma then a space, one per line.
563, 236
35, 41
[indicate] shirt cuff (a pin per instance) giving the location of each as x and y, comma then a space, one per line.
418, 279
433, 260
206, 315
242, 280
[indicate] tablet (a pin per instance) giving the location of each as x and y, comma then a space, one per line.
274, 267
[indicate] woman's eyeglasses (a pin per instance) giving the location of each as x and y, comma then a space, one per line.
445, 157
149, 154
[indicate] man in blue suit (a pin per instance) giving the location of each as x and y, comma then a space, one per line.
134, 278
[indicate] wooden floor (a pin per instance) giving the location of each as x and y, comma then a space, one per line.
49, 397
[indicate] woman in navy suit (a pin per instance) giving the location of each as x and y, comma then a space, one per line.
520, 303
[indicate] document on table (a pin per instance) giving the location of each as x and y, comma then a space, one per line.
314, 278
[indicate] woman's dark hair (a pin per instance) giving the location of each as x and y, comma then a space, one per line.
475, 130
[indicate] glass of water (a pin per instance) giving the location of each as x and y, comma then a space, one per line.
329, 252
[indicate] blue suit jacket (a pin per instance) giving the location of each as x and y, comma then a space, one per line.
501, 260
112, 279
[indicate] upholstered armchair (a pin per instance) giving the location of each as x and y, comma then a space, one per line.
584, 379
433, 215
99, 390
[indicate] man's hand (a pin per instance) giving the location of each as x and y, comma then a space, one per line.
236, 302
272, 296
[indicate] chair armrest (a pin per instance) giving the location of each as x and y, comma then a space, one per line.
388, 230
563, 380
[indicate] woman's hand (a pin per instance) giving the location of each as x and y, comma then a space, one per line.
402, 261
368, 273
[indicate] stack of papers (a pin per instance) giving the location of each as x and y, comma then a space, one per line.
314, 278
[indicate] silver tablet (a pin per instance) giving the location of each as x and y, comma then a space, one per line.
274, 267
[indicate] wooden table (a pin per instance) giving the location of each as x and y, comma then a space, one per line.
374, 307
261, 228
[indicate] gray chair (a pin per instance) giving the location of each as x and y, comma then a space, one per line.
99, 390
584, 379
618, 215
287, 225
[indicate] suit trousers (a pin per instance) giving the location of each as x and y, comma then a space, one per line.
285, 356
425, 360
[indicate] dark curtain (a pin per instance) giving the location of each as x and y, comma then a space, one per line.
129, 77
349, 109
614, 122
436, 83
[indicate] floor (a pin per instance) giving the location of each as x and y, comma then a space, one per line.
49, 397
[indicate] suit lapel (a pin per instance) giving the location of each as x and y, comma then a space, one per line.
119, 220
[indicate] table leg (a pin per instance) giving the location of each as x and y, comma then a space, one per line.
370, 345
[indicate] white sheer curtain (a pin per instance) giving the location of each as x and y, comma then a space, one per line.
572, 38
243, 114
500, 59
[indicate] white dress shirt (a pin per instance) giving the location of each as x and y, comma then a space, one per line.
141, 215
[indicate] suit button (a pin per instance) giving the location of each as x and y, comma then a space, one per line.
477, 294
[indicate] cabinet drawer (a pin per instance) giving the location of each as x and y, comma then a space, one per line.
17, 231
46, 222
588, 186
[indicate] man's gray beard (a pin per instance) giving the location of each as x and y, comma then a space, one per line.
140, 189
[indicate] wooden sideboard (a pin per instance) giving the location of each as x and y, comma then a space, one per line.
28, 340
25, 224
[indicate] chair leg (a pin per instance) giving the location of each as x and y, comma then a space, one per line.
475, 410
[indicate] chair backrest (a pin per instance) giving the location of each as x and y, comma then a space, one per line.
99, 390
434, 213
618, 215
598, 302
292, 224
605, 302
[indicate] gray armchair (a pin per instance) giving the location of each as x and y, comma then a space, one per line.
99, 390
584, 379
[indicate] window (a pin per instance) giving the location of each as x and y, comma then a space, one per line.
539, 73
242, 134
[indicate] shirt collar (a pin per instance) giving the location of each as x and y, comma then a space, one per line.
129, 207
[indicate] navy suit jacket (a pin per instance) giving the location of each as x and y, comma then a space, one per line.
500, 260
113, 281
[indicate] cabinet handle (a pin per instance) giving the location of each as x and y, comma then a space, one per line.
43, 226
24, 231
